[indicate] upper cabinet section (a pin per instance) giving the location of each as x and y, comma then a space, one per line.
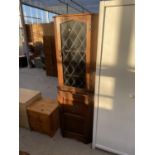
73, 45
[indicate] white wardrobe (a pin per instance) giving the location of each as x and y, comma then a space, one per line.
114, 109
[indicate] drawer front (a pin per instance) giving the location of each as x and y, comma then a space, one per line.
33, 117
44, 119
39, 122
70, 98
45, 124
37, 117
79, 109
35, 126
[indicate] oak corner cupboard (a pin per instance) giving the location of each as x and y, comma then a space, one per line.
76, 40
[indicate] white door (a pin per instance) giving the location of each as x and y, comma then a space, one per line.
114, 93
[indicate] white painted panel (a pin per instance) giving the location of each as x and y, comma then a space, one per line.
115, 114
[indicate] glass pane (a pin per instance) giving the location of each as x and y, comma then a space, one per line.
73, 42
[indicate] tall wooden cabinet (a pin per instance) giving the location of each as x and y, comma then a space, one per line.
76, 38
49, 49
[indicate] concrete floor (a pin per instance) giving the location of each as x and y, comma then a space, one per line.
36, 79
40, 144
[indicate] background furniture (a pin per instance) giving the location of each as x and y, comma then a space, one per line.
41, 37
50, 55
115, 77
26, 97
76, 38
49, 49
22, 61
43, 116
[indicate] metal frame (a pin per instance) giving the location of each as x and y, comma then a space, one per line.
40, 8
68, 5
26, 48
80, 6
32, 17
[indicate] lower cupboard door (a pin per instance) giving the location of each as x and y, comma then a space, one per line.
74, 123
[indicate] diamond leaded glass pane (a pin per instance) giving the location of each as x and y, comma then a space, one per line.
73, 42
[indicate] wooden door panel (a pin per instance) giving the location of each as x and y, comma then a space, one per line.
74, 123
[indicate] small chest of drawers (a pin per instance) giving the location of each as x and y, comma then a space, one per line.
43, 116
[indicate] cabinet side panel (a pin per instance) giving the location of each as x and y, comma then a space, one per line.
94, 34
58, 50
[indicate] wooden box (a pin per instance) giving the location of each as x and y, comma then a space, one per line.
26, 97
43, 116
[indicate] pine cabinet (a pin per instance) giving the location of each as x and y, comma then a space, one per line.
76, 38
43, 116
